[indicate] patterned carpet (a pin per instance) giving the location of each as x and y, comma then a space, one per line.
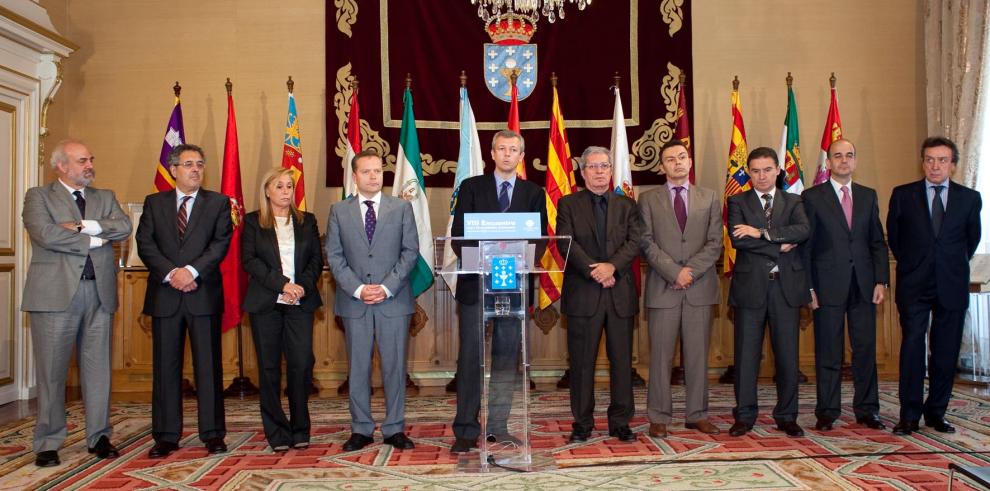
685, 460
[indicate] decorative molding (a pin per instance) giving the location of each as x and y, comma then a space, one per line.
647, 148
347, 11
672, 15
50, 75
546, 318
370, 139
418, 320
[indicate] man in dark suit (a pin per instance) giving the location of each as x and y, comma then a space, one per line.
71, 294
182, 236
933, 227
846, 261
498, 192
372, 247
766, 225
599, 290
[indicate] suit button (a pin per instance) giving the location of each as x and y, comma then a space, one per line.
369, 275
680, 263
683, 240
371, 255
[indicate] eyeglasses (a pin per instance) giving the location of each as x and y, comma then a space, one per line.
190, 164
940, 160
601, 166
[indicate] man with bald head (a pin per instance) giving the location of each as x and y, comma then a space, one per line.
845, 258
71, 295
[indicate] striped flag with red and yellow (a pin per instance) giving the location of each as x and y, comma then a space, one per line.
736, 178
292, 152
560, 182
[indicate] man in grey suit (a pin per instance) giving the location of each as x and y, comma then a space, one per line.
372, 246
71, 295
683, 240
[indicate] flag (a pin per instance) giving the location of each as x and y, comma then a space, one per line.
234, 277
682, 130
560, 182
832, 132
514, 126
790, 149
409, 186
736, 178
353, 147
292, 153
469, 163
174, 136
621, 173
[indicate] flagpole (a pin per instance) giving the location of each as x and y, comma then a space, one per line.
240, 386
452, 385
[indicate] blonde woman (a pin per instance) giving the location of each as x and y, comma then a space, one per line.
280, 249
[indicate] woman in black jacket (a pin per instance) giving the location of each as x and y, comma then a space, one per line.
280, 249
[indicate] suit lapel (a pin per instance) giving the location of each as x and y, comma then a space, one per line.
384, 208
587, 204
612, 216
756, 203
297, 233
61, 194
778, 204
358, 216
921, 193
199, 205
695, 206
171, 214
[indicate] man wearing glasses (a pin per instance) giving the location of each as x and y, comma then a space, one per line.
599, 291
933, 229
182, 236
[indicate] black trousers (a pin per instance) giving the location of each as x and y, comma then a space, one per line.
168, 335
749, 327
830, 323
944, 328
583, 337
284, 331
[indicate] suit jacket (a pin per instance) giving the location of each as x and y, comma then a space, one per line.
667, 249
922, 256
58, 255
833, 250
576, 217
260, 256
755, 258
478, 195
387, 260
204, 245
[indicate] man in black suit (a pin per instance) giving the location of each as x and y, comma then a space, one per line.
182, 237
846, 261
501, 191
599, 291
768, 283
933, 227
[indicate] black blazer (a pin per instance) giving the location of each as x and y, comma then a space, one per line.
624, 227
923, 258
260, 256
833, 251
204, 246
478, 195
756, 257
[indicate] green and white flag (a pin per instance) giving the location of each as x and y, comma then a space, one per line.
409, 186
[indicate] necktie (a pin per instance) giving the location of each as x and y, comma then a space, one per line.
370, 220
503, 197
847, 206
767, 209
680, 209
601, 209
88, 271
938, 209
183, 217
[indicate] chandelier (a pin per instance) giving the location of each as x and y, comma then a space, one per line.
551, 9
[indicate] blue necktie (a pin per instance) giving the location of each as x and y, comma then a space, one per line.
503, 197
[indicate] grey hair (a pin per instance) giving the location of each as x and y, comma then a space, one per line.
507, 133
590, 151
173, 155
58, 153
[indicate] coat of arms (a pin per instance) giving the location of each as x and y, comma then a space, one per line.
509, 54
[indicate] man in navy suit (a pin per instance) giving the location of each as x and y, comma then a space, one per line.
933, 228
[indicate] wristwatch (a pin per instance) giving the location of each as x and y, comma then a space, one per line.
79, 227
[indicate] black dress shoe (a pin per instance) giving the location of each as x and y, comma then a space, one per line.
940, 425
739, 428
104, 449
463, 445
400, 441
579, 436
824, 424
357, 441
503, 439
215, 445
905, 428
162, 449
623, 434
871, 421
47, 458
791, 428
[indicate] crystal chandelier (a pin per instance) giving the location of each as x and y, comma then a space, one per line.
551, 9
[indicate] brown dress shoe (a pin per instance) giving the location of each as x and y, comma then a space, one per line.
658, 430
704, 426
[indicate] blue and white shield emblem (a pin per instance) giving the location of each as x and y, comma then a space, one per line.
501, 61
